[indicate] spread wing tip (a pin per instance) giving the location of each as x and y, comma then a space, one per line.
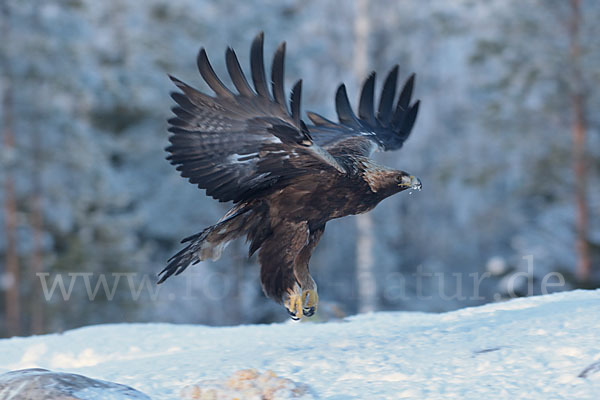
365, 105
389, 126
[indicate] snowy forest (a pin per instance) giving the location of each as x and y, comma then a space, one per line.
507, 145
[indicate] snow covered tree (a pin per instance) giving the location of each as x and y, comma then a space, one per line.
365, 263
11, 273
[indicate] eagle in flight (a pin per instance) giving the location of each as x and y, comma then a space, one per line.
286, 178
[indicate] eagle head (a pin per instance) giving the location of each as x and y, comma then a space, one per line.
386, 182
406, 181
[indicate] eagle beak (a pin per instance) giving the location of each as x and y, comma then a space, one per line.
411, 182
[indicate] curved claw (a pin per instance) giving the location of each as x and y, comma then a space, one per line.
308, 312
293, 316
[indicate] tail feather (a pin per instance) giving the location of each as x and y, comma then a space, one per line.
210, 243
178, 263
185, 257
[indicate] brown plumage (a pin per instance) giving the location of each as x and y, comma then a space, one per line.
285, 178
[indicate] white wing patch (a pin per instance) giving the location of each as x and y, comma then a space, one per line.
241, 158
273, 139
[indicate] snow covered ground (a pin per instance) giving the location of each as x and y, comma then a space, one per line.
543, 347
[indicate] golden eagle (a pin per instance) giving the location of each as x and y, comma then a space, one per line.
285, 178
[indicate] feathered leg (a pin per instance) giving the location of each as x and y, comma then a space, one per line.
309, 297
284, 274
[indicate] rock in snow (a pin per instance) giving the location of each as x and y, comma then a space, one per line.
37, 383
544, 347
248, 384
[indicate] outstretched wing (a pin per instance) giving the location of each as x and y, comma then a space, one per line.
385, 130
236, 145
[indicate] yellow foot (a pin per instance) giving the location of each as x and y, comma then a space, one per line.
301, 303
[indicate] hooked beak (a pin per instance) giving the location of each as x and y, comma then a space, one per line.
411, 182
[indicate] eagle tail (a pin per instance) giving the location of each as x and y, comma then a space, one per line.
210, 243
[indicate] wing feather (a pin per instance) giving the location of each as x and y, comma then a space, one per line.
237, 146
386, 102
257, 64
365, 106
236, 74
295, 101
344, 109
277, 76
209, 76
404, 100
367, 132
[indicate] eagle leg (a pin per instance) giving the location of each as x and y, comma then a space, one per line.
300, 302
310, 299
284, 272
308, 296
292, 301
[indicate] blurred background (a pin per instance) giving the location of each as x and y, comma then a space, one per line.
506, 143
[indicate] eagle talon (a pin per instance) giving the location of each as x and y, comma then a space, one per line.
308, 312
293, 302
310, 301
301, 303
293, 316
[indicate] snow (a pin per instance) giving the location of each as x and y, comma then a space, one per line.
538, 347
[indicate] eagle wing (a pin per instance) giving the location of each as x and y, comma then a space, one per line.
385, 130
237, 145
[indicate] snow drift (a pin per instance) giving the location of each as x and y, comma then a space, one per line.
537, 347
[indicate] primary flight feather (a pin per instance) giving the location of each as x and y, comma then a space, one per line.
286, 179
